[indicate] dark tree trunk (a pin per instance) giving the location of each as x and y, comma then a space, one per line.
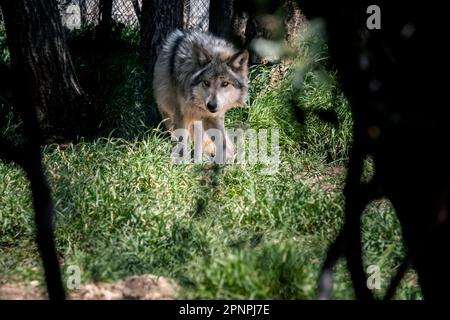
44, 87
83, 12
30, 159
105, 12
158, 19
239, 24
105, 22
45, 78
137, 9
274, 20
220, 17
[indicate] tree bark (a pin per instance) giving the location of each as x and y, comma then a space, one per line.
239, 24
277, 20
44, 87
295, 21
158, 19
83, 12
137, 9
220, 17
45, 78
105, 22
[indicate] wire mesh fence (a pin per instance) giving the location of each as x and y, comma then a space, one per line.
196, 15
127, 11
75, 13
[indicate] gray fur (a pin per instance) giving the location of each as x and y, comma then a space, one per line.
195, 74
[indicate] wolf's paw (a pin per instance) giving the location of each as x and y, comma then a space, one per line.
209, 147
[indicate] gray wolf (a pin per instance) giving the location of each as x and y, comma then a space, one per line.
197, 78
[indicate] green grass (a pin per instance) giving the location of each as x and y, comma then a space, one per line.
122, 208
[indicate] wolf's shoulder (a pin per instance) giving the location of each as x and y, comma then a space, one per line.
205, 39
187, 39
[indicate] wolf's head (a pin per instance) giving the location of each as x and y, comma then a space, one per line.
221, 81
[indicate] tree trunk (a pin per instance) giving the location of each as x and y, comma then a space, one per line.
83, 12
295, 21
158, 19
105, 12
277, 20
239, 24
45, 78
44, 87
105, 22
220, 17
137, 9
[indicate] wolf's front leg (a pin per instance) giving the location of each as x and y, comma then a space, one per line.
216, 141
180, 139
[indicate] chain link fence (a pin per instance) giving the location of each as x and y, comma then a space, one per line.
196, 15
75, 13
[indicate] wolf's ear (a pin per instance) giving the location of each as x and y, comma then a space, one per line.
239, 60
201, 54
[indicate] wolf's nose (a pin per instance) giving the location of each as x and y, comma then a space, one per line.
212, 106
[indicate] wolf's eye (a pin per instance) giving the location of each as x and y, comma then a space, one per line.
206, 83
225, 84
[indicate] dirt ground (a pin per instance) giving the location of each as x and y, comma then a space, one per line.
145, 287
